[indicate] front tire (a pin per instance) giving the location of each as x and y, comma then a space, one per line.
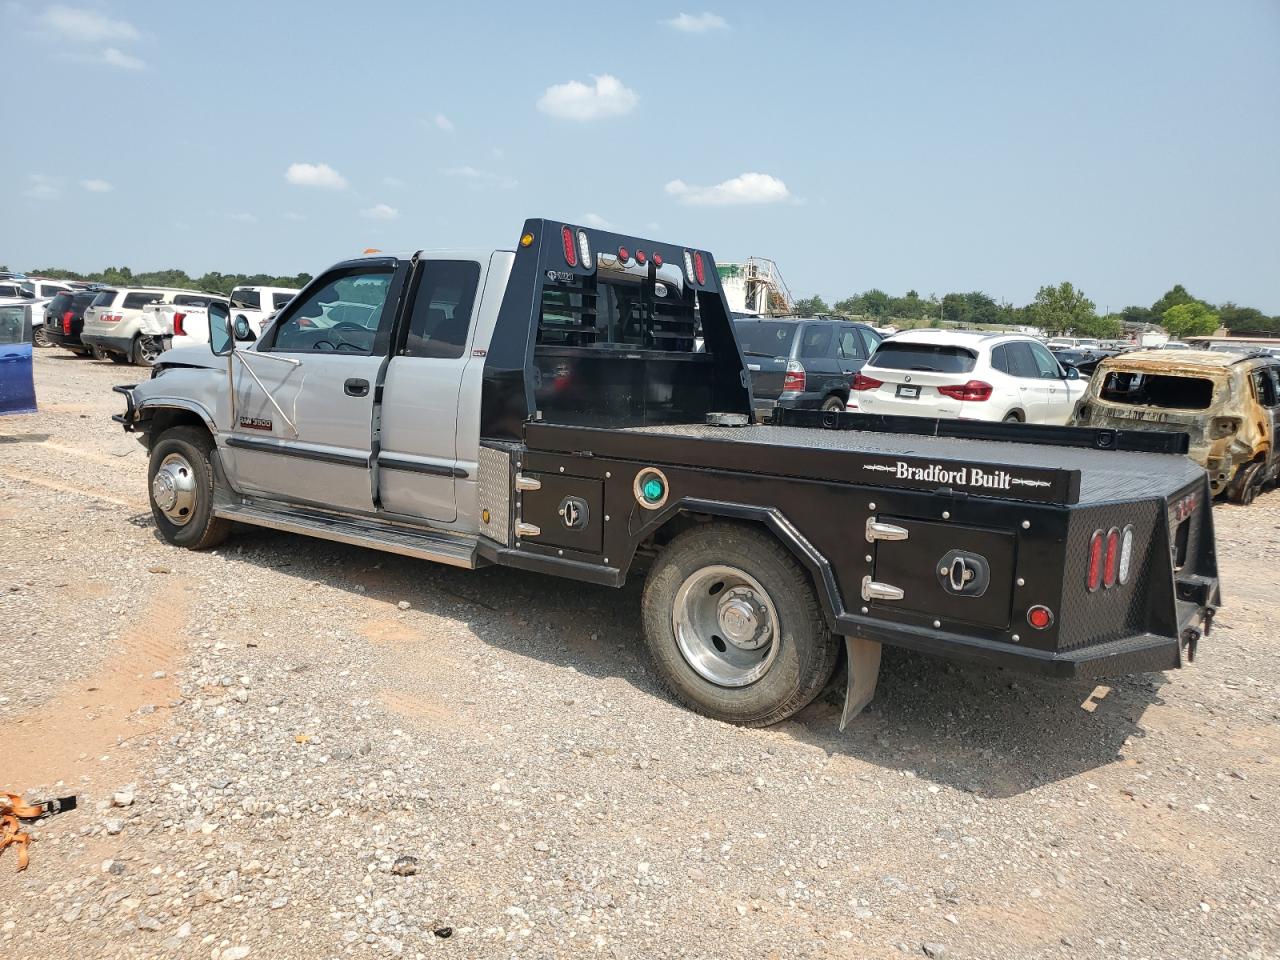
146, 350
734, 626
180, 488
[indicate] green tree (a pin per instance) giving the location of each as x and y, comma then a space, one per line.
1192, 319
955, 308
1062, 309
810, 306
1246, 320
1176, 296
1133, 314
876, 302
982, 309
850, 306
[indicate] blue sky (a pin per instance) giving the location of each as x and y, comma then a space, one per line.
936, 146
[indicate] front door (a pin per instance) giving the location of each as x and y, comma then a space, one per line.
304, 395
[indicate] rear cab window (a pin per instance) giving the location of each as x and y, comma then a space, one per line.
935, 357
279, 300
766, 339
246, 299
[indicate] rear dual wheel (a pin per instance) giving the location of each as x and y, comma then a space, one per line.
734, 626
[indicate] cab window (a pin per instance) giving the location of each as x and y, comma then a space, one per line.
815, 342
1046, 366
342, 315
440, 317
851, 345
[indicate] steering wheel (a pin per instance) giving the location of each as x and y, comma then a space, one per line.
349, 325
324, 345
351, 346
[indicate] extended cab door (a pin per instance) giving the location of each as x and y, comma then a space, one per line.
304, 397
419, 459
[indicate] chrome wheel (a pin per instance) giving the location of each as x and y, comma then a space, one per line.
148, 351
726, 626
173, 489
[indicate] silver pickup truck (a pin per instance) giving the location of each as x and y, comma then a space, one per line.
577, 405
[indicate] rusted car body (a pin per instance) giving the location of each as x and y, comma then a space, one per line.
1229, 404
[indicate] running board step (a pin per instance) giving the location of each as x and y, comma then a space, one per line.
457, 550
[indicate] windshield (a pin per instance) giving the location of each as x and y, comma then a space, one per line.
766, 338
1157, 390
936, 357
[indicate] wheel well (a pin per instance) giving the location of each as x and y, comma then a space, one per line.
842, 394
167, 418
819, 572
1018, 412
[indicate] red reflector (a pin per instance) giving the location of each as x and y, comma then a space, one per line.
1110, 564
1095, 561
178, 329
624, 254
570, 248
640, 257
657, 259
794, 378
862, 382
1039, 617
973, 390
699, 270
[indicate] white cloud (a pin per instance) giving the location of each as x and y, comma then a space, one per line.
86, 26
479, 179
41, 186
380, 211
94, 185
443, 123
747, 188
607, 97
599, 222
697, 23
242, 217
315, 175
118, 58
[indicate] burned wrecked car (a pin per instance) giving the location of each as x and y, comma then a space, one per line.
1229, 404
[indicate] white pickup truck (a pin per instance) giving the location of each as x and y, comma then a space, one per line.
256, 305
168, 325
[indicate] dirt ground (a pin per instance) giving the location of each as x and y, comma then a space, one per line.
286, 748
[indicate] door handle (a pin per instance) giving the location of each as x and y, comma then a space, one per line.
355, 387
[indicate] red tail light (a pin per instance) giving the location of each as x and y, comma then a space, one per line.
1110, 563
862, 382
66, 323
794, 378
1094, 580
657, 259
570, 248
699, 269
623, 254
973, 390
1040, 617
178, 329
640, 257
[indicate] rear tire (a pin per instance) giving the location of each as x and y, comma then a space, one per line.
180, 489
146, 350
832, 404
40, 338
784, 653
1243, 486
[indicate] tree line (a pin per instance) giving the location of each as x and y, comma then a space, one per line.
1057, 310
211, 282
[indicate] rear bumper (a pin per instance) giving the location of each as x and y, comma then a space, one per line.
113, 344
1139, 653
60, 339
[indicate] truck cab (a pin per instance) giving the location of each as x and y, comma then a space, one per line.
578, 405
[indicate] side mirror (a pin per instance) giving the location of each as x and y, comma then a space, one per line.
243, 331
1072, 373
221, 336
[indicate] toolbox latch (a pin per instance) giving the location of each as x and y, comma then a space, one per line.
877, 530
874, 590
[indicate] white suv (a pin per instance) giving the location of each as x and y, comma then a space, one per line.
967, 376
113, 322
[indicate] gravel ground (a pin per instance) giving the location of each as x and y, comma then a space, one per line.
291, 749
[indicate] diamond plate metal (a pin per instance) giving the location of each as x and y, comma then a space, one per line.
493, 493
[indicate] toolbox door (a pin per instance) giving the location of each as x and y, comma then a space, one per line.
947, 571
568, 512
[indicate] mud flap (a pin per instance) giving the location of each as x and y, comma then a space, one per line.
864, 672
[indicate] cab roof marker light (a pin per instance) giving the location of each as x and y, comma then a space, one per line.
570, 251
641, 257
584, 248
657, 259
623, 254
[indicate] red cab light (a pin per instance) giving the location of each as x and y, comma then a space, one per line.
657, 259
1040, 617
178, 329
862, 382
794, 377
623, 255
1110, 562
973, 390
640, 257
699, 269
1094, 580
570, 248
